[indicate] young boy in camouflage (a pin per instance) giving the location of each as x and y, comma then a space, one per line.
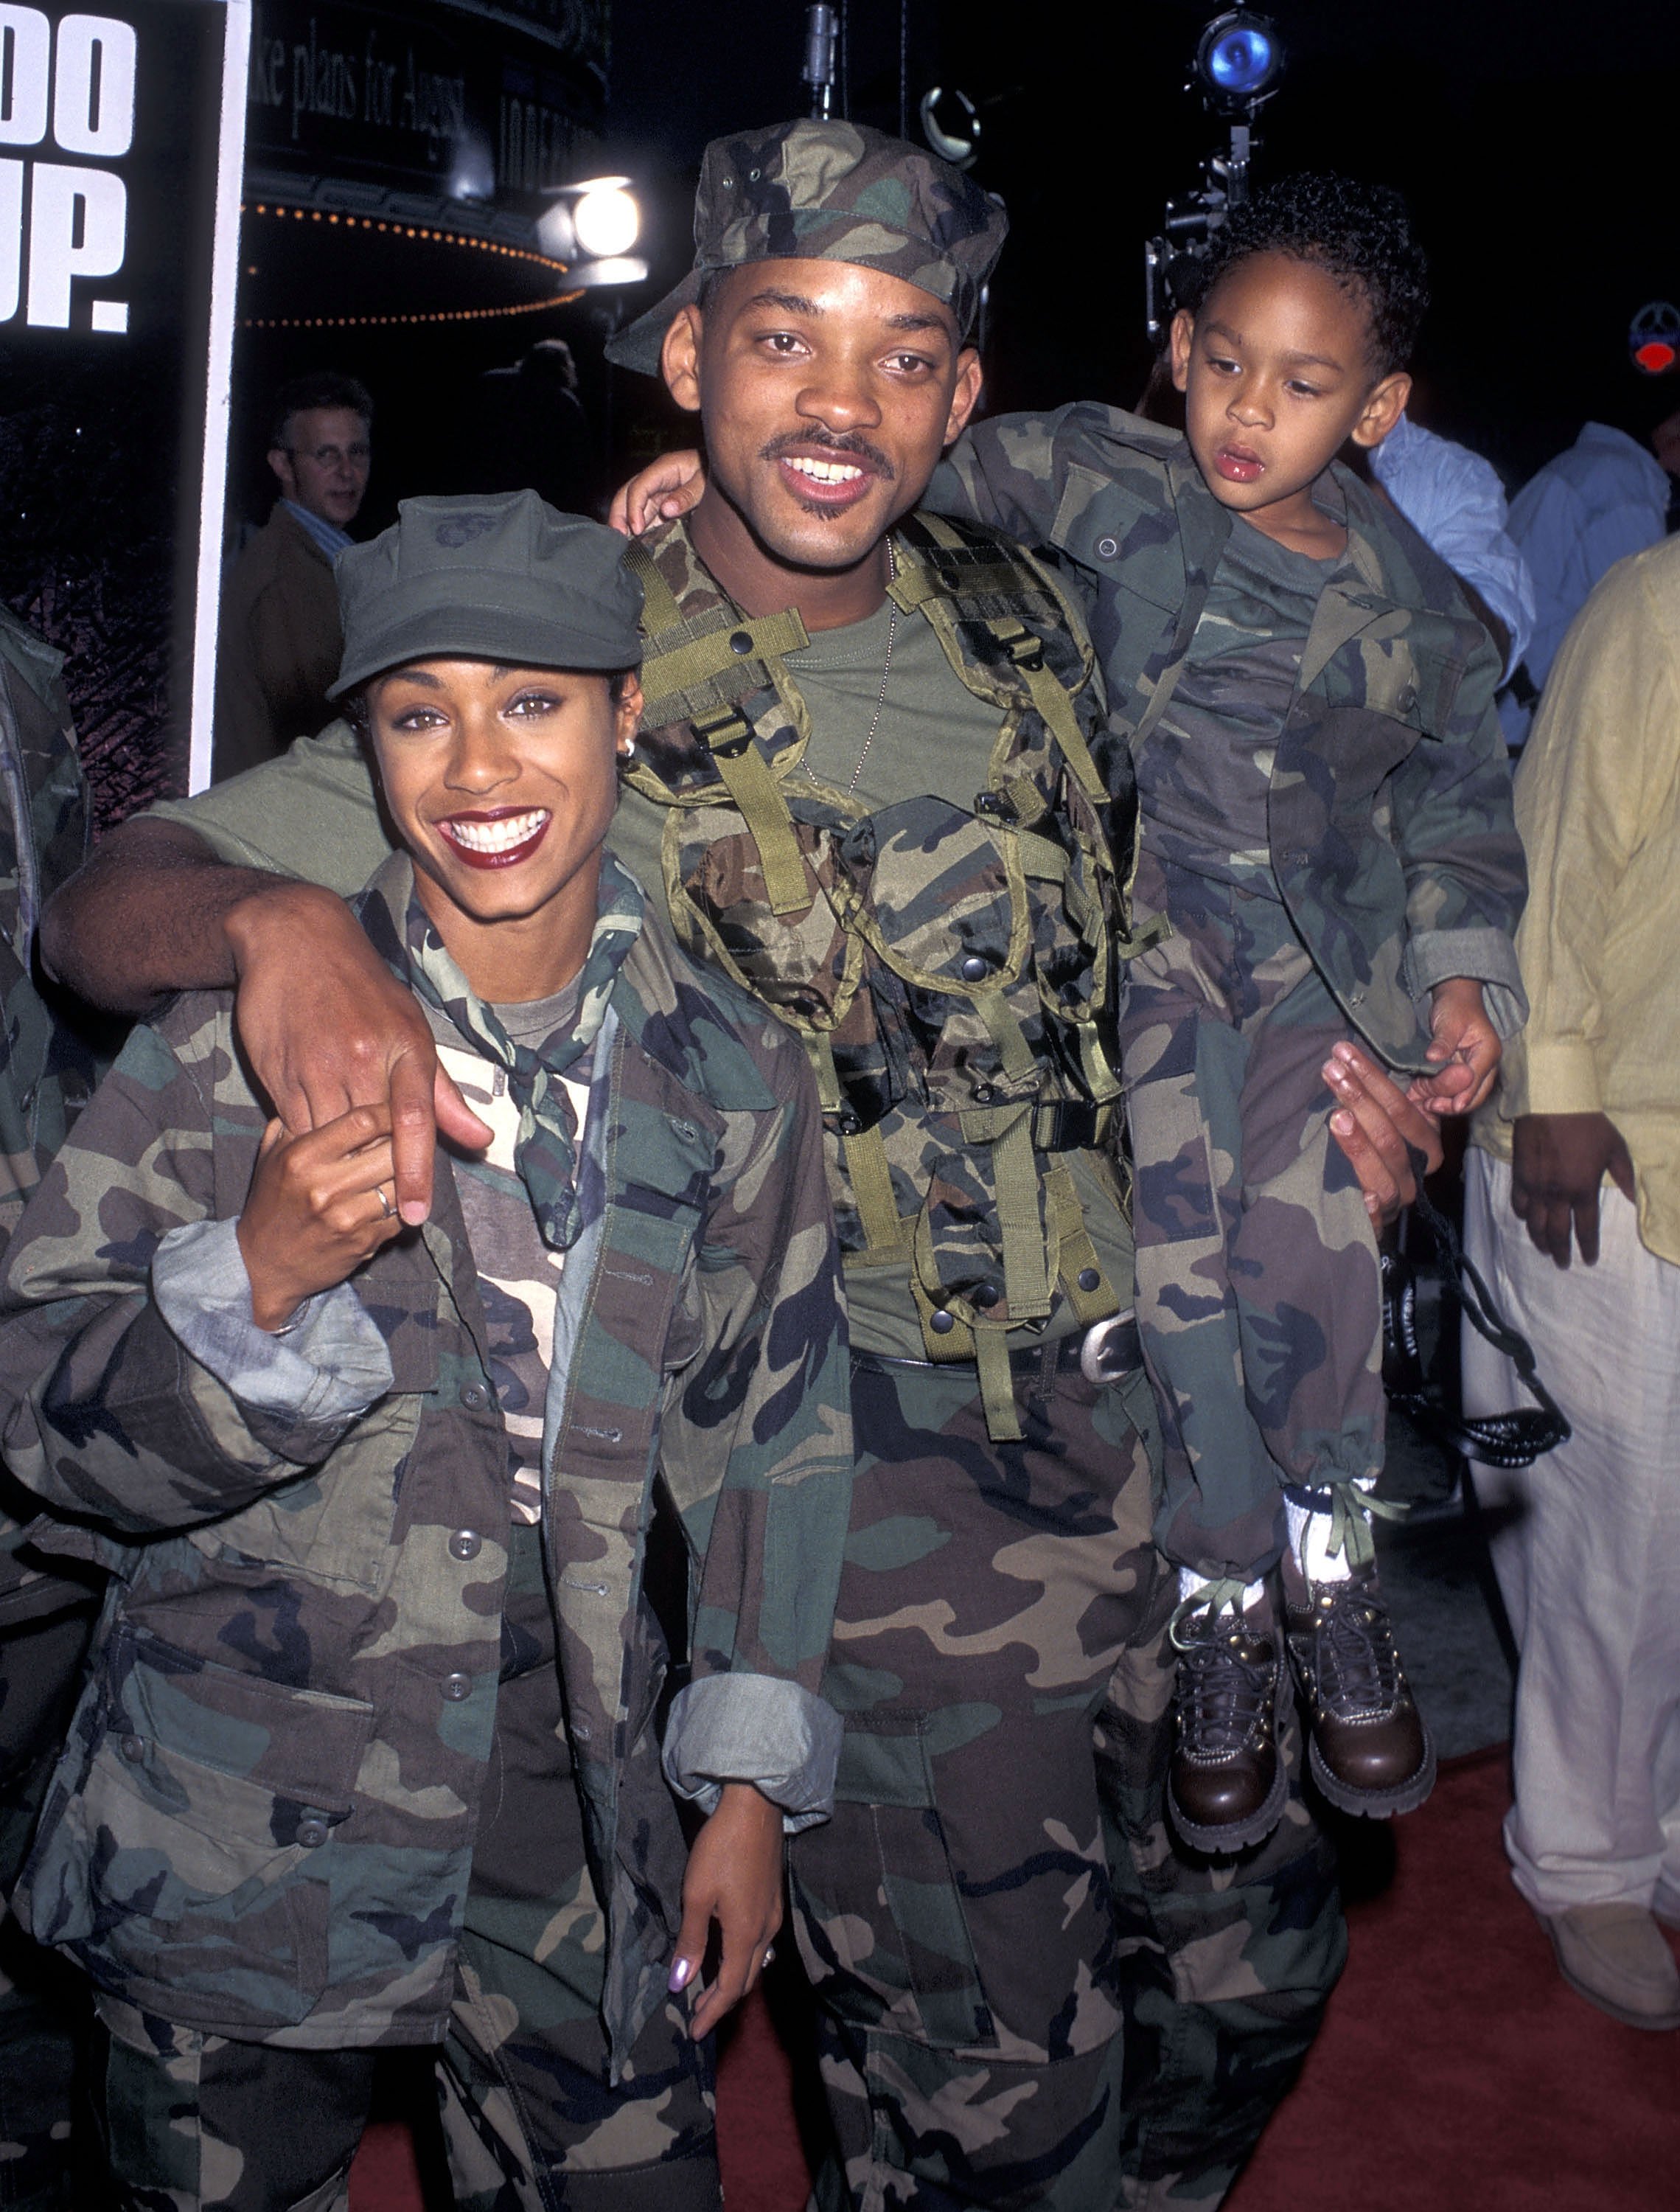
1328, 852
368, 1756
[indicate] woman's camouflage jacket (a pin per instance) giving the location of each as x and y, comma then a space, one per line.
263, 1823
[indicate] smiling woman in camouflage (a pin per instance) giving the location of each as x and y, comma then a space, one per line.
360, 1488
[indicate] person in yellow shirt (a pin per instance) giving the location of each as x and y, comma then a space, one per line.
1573, 1213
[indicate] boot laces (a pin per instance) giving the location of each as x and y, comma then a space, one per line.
1358, 1667
1225, 1696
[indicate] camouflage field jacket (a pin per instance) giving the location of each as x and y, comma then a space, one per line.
48, 1066
263, 1823
1392, 837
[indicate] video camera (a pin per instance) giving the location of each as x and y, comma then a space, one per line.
1239, 65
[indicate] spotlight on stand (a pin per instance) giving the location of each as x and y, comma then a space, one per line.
1239, 65
822, 40
1237, 62
951, 126
591, 227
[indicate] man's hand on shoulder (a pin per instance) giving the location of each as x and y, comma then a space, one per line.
328, 1028
1558, 1162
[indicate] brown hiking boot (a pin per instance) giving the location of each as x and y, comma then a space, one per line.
1371, 1752
1227, 1785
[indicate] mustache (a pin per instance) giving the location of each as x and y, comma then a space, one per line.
836, 445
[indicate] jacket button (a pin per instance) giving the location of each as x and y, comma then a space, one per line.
457, 1687
850, 1126
313, 1832
465, 1543
1406, 697
1087, 1279
741, 641
987, 1295
1107, 547
134, 1747
940, 1322
985, 1093
475, 1395
975, 969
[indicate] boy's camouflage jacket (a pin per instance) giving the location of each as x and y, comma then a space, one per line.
1392, 837
263, 1823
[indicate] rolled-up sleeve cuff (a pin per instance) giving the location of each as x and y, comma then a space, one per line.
756, 1728
1562, 1077
1486, 956
329, 1366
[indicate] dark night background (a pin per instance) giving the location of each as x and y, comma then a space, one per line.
1535, 142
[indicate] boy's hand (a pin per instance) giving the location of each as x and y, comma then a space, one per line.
1466, 1048
317, 1207
662, 490
734, 1878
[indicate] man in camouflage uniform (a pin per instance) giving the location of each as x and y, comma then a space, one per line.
879, 786
347, 1777
49, 1065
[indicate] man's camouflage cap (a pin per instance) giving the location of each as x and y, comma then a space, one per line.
831, 192
501, 578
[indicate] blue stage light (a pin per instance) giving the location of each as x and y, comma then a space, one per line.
1238, 59
1238, 62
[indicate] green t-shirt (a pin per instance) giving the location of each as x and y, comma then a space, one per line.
312, 813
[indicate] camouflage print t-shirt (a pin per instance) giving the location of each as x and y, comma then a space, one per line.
1205, 771
519, 1274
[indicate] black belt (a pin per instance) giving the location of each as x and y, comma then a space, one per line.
1107, 1351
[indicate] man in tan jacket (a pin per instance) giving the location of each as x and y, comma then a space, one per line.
280, 642
1581, 1150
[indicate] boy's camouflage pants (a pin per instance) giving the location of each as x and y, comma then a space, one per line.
1027, 1998
1259, 1295
194, 2122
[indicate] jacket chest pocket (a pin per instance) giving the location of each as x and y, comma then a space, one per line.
800, 963
335, 1527
182, 1869
940, 897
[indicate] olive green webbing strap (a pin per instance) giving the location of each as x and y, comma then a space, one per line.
886, 1236
699, 679
973, 573
1076, 1261
763, 806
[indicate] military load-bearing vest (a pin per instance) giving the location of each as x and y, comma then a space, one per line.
951, 962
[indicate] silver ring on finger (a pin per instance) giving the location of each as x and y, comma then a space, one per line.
385, 1206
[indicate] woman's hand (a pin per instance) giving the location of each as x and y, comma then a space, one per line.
734, 1878
317, 1207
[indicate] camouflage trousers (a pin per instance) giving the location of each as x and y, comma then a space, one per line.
1259, 1295
1027, 1997
190, 2120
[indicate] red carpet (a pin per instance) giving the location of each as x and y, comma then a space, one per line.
1456, 2070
